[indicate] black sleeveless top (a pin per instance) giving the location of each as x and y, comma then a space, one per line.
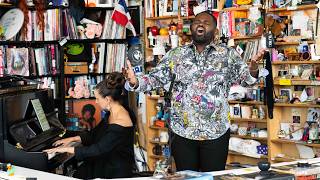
107, 152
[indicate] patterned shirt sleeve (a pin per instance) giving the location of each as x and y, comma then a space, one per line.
238, 70
159, 76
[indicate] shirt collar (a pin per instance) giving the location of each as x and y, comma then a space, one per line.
211, 45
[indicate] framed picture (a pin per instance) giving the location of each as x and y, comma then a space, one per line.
310, 93
237, 111
286, 94
105, 3
88, 112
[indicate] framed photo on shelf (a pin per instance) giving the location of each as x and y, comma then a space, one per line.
310, 93
286, 94
105, 3
237, 111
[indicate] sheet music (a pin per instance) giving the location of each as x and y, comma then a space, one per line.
40, 114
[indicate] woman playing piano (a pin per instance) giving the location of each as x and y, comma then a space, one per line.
107, 150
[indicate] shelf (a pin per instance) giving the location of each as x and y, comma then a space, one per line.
155, 97
296, 62
42, 76
283, 159
249, 120
85, 74
298, 82
162, 17
249, 137
241, 8
291, 43
27, 43
187, 17
245, 37
99, 8
302, 105
113, 41
246, 102
159, 128
239, 154
76, 99
105, 8
157, 142
9, 6
157, 157
297, 8
285, 141
170, 17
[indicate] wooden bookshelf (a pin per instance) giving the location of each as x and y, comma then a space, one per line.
241, 8
249, 120
239, 154
157, 157
284, 159
298, 82
302, 105
157, 142
291, 43
295, 62
246, 37
249, 137
291, 8
285, 141
161, 17
159, 128
246, 102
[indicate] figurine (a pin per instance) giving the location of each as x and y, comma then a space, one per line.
305, 135
166, 115
161, 170
313, 132
159, 108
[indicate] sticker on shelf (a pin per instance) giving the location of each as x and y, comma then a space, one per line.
63, 41
285, 82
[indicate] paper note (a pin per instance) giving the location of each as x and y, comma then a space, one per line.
285, 82
300, 21
40, 114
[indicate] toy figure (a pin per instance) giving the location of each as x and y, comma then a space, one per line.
313, 132
305, 135
159, 108
166, 115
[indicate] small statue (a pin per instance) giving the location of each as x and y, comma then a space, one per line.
305, 135
161, 169
159, 108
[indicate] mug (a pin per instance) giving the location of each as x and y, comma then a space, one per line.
164, 137
242, 131
157, 150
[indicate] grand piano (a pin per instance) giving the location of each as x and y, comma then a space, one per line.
22, 137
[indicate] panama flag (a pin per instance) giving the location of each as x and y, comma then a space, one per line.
122, 16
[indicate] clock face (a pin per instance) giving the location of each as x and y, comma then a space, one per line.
135, 55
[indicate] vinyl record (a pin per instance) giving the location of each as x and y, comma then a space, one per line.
12, 22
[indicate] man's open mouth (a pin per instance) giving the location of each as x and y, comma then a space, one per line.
200, 31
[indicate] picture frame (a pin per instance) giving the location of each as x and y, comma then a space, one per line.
286, 93
236, 111
310, 92
105, 3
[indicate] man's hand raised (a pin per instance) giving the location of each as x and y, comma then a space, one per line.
130, 76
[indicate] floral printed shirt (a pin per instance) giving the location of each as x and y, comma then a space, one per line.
199, 105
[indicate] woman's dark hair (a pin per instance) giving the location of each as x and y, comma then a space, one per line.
112, 86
